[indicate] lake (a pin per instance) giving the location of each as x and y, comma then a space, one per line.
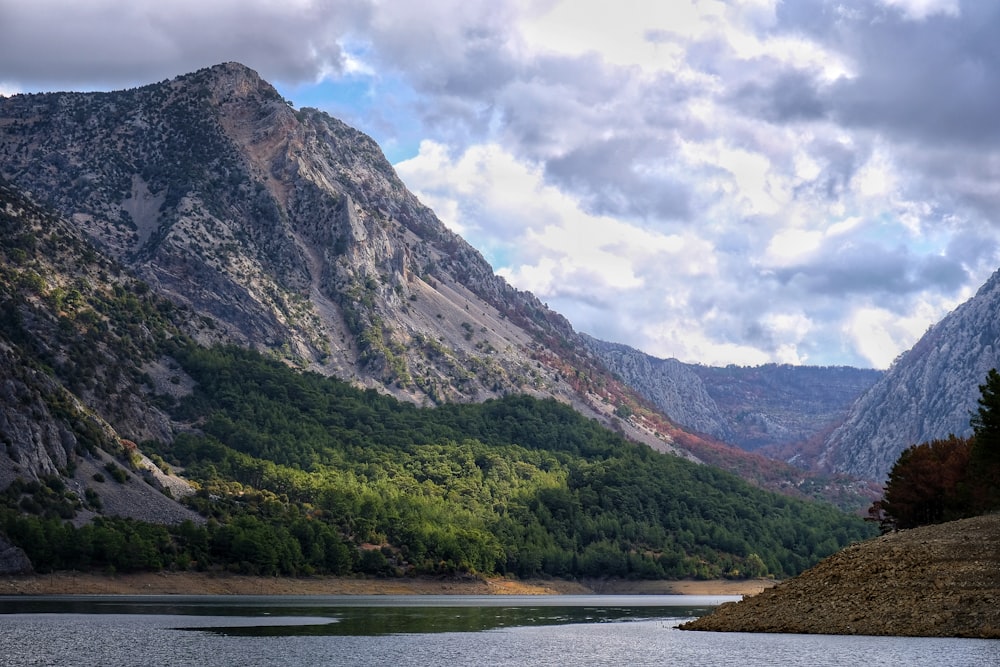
425, 630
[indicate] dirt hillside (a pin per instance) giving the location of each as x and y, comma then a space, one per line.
934, 581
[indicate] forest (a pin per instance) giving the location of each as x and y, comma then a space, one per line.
298, 474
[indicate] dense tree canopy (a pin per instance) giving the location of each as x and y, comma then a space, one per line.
302, 473
928, 483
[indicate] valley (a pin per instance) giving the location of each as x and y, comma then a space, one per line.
228, 324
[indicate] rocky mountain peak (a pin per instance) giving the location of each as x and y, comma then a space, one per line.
288, 231
930, 391
233, 80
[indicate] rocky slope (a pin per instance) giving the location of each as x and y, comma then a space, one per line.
275, 228
287, 231
934, 581
77, 336
751, 407
928, 393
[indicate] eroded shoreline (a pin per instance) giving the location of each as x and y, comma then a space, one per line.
195, 583
935, 581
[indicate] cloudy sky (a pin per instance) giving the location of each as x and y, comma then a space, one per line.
744, 181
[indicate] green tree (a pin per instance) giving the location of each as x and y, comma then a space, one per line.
985, 459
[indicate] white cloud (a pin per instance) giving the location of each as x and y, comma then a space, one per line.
879, 334
918, 10
877, 178
790, 247
724, 182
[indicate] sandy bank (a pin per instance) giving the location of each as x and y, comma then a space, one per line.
193, 583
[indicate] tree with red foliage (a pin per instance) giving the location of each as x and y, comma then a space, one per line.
929, 483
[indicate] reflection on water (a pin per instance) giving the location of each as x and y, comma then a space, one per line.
374, 621
97, 631
265, 616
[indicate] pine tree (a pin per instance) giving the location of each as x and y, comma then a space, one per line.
985, 458
986, 422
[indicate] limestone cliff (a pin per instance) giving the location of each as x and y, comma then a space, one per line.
929, 392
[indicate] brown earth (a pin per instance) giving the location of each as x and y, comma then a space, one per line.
193, 583
934, 581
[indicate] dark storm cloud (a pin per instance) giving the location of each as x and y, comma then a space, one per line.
869, 268
972, 247
474, 63
792, 96
104, 43
603, 173
930, 80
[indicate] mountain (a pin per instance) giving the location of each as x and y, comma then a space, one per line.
756, 408
287, 472
288, 232
288, 229
219, 307
929, 392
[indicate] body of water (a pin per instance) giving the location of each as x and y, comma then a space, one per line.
249, 631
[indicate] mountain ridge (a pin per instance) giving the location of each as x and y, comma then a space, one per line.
929, 392
756, 408
288, 232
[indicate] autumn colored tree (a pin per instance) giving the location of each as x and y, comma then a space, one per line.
929, 483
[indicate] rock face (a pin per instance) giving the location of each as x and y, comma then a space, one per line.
934, 581
750, 407
13, 560
928, 393
289, 232
286, 229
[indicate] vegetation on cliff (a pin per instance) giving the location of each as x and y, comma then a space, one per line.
300, 473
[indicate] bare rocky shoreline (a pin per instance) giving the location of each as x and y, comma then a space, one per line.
194, 583
934, 581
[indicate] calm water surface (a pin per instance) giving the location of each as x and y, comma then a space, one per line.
425, 630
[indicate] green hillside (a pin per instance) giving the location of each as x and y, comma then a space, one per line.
300, 473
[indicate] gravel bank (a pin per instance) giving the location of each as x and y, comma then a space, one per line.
934, 581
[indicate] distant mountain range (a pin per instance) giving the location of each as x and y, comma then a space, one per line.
762, 407
838, 420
